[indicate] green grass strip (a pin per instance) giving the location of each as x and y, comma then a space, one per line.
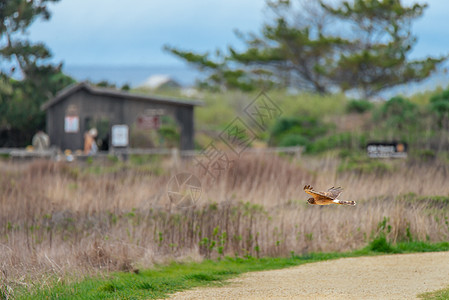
437, 295
163, 280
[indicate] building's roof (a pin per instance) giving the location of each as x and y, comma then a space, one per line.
116, 93
157, 81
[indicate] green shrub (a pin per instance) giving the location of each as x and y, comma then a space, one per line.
169, 132
398, 106
169, 136
444, 95
398, 119
440, 105
398, 113
380, 244
290, 140
308, 128
359, 106
345, 140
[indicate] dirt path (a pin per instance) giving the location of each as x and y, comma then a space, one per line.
381, 277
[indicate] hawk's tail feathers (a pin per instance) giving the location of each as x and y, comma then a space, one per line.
352, 203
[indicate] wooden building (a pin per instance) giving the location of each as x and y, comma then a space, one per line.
152, 121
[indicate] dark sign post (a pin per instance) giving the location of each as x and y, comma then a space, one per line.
387, 150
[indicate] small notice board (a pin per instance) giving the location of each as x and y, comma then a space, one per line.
120, 136
71, 124
387, 150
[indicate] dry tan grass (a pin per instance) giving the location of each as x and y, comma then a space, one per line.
66, 220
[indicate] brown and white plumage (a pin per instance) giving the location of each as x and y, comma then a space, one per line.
326, 198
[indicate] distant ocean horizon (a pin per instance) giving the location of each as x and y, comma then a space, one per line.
132, 75
186, 76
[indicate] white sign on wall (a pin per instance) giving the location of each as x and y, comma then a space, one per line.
71, 123
119, 135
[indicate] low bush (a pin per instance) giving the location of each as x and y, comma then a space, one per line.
345, 140
290, 140
397, 113
359, 106
295, 131
439, 104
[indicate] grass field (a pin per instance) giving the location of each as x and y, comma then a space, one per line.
62, 222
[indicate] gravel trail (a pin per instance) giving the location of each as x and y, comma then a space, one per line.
401, 276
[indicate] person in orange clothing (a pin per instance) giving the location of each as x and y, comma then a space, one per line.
90, 145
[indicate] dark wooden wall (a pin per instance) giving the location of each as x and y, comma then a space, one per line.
118, 110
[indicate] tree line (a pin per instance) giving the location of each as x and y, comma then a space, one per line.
27, 77
359, 45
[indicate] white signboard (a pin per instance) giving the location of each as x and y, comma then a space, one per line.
120, 135
71, 123
387, 150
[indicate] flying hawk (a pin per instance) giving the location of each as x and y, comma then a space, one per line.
326, 198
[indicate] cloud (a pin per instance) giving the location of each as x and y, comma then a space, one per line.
134, 31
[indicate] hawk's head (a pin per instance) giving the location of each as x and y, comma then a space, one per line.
311, 201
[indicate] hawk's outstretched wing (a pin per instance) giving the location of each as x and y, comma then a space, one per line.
317, 195
334, 192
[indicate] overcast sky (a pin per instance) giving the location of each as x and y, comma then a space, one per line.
133, 32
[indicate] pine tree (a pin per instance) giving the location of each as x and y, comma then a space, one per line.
20, 100
361, 45
380, 42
